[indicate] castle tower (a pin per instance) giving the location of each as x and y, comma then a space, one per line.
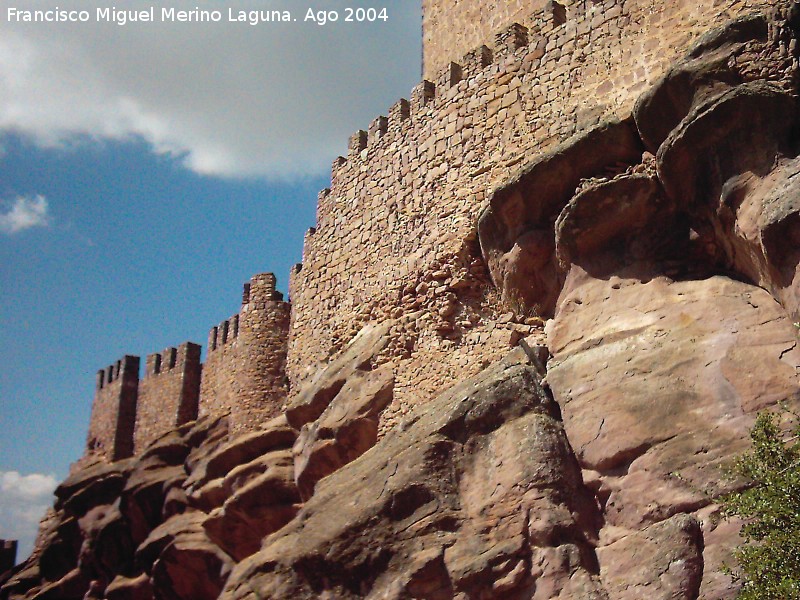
114, 410
8, 555
169, 393
244, 372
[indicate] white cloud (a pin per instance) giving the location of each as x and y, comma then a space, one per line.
23, 501
274, 99
24, 213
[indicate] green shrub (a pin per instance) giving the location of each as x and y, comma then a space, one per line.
768, 563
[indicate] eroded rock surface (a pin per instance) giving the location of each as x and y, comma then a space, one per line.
665, 246
477, 494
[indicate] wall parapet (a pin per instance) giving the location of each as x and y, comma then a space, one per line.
413, 183
169, 393
244, 374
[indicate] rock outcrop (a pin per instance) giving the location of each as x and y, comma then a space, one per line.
664, 248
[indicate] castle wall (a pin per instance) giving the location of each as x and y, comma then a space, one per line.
8, 555
169, 393
114, 410
244, 372
395, 233
451, 29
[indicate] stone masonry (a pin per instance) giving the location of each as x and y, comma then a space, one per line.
244, 372
114, 410
8, 555
395, 233
244, 376
168, 394
478, 21
395, 238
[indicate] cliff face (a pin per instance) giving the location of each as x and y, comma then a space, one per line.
663, 249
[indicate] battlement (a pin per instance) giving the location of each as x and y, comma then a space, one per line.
244, 375
548, 29
225, 332
172, 358
244, 370
8, 555
515, 81
125, 369
451, 29
114, 410
169, 393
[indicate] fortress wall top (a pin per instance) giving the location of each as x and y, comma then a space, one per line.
169, 393
244, 370
8, 555
451, 29
404, 203
114, 410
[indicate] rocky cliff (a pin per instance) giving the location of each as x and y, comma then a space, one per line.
663, 249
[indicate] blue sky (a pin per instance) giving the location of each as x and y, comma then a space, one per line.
146, 172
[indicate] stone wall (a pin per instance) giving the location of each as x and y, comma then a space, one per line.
451, 29
114, 410
168, 394
244, 375
395, 233
8, 555
244, 372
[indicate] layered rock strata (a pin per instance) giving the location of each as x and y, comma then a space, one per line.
663, 250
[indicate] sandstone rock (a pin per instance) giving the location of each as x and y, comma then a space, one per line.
183, 563
743, 130
346, 429
658, 383
706, 72
606, 218
516, 234
260, 507
190, 568
276, 434
359, 355
107, 548
99, 484
663, 561
240, 476
142, 500
73, 585
126, 588
448, 502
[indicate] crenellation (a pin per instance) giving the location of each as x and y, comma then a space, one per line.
557, 13
450, 77
8, 555
398, 113
152, 365
414, 198
358, 142
377, 129
111, 427
169, 393
475, 61
421, 95
508, 41
245, 376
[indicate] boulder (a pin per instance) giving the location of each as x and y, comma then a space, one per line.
260, 507
346, 429
515, 231
318, 392
706, 72
458, 497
